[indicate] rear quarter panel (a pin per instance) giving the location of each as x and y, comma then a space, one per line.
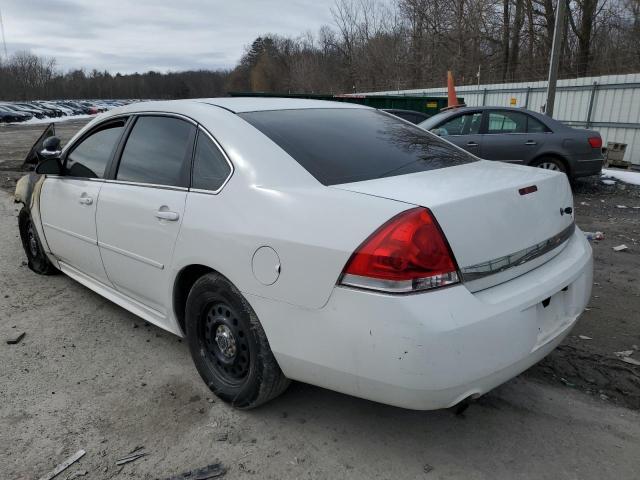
271, 200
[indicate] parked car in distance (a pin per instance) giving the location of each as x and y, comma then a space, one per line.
409, 115
324, 242
520, 136
9, 115
21, 109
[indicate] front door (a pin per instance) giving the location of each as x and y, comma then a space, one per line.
140, 212
68, 203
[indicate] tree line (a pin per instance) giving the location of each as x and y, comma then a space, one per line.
375, 45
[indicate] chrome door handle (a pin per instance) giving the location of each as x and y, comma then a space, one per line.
472, 144
531, 142
167, 215
85, 200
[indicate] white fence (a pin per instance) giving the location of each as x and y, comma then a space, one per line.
609, 104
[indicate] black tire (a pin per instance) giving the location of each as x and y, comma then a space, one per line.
36, 258
550, 163
229, 346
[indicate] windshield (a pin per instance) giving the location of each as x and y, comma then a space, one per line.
342, 145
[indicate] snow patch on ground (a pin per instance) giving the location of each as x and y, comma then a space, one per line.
626, 176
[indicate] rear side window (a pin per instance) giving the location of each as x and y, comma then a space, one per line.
90, 157
341, 145
536, 126
158, 151
507, 122
210, 168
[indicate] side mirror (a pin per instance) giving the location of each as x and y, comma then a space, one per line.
49, 166
51, 147
439, 131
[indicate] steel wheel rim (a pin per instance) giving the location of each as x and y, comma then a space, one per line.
225, 340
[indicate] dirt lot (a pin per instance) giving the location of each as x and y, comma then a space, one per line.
90, 375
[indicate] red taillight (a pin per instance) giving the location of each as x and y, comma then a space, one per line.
595, 142
406, 254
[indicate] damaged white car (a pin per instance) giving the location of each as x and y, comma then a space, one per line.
323, 242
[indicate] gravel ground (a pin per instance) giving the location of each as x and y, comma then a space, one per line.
90, 375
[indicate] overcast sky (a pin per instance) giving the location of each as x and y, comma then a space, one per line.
140, 35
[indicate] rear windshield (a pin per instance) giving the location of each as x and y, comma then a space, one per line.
340, 145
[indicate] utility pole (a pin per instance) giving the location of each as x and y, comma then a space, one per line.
555, 57
4, 42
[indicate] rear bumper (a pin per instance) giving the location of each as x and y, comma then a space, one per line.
431, 350
586, 167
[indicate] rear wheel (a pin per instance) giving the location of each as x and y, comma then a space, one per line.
37, 259
229, 346
550, 163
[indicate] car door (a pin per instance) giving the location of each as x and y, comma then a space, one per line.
512, 136
464, 131
140, 210
68, 202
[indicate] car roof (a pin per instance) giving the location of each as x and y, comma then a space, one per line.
238, 104
402, 110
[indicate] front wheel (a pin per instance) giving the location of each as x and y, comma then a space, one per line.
37, 259
229, 346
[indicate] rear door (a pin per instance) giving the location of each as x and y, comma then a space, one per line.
464, 131
68, 203
512, 136
141, 209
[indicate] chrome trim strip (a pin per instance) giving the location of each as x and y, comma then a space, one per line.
71, 234
398, 286
497, 265
132, 255
226, 157
150, 185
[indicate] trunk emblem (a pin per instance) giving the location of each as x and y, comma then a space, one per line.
527, 190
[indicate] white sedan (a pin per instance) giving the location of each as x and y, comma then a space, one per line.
323, 242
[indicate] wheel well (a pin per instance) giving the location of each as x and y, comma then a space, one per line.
181, 288
556, 157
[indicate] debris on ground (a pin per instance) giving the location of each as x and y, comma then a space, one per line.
16, 338
134, 455
594, 235
620, 248
584, 337
214, 470
427, 468
630, 360
608, 182
621, 206
623, 353
64, 465
593, 373
79, 473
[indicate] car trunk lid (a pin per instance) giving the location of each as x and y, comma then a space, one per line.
500, 220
